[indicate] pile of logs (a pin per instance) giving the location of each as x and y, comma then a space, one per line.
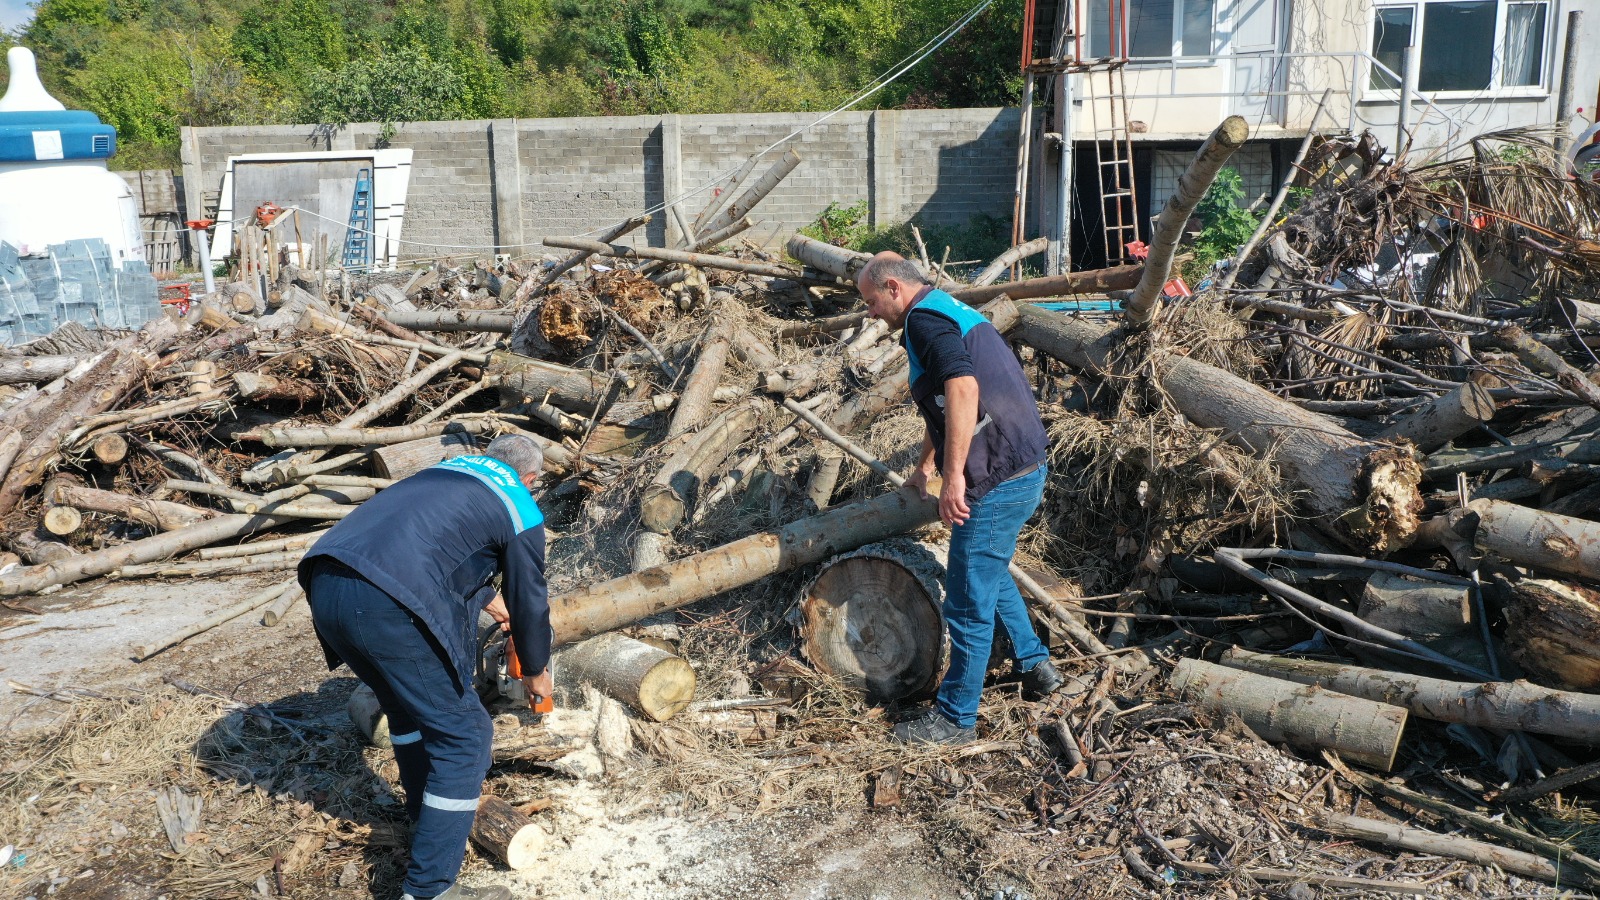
1434, 426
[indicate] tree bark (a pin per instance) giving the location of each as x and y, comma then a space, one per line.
647, 678
34, 369
1361, 492
1531, 537
491, 320
1095, 281
1509, 705
1419, 841
1192, 185
574, 390
363, 437
407, 459
665, 500
1445, 419
1304, 715
609, 605
840, 261
694, 401
160, 514
508, 835
1553, 631
162, 546
1006, 260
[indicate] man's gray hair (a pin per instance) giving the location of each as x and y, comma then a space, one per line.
518, 451
877, 272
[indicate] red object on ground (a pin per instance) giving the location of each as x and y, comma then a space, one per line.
1138, 250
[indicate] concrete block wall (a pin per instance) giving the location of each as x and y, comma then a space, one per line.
510, 182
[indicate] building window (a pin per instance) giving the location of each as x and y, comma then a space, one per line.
1461, 45
1152, 29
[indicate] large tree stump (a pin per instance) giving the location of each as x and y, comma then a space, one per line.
1303, 715
508, 835
872, 618
649, 679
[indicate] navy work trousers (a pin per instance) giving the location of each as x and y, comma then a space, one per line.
441, 735
978, 589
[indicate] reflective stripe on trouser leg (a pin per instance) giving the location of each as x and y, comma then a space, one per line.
446, 804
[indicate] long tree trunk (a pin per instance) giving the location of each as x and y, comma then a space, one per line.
840, 261
665, 500
754, 194
647, 678
162, 514
1192, 185
490, 320
1445, 419
574, 390
1361, 492
150, 549
362, 437
1541, 540
34, 369
992, 272
609, 605
1416, 840
694, 401
1305, 715
1094, 281
1511, 705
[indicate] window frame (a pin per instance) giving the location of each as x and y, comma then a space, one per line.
1497, 87
1175, 46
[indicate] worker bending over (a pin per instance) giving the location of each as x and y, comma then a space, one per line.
395, 589
984, 435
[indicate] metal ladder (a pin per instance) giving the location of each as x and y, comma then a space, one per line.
358, 237
1113, 148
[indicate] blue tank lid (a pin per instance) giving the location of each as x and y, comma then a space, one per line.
34, 126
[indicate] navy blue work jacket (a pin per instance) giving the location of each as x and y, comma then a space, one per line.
434, 542
1010, 436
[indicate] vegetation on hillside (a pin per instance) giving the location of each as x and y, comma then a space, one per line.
151, 66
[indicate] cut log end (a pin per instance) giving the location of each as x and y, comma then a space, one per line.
872, 619
656, 683
110, 449
508, 835
62, 520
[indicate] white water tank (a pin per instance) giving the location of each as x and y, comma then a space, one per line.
54, 185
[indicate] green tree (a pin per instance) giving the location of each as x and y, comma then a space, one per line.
137, 84
279, 39
404, 85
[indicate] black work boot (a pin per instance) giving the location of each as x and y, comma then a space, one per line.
1041, 681
459, 891
933, 728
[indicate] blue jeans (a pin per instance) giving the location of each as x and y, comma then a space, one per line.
977, 587
441, 736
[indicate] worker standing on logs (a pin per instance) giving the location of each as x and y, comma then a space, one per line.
985, 437
395, 589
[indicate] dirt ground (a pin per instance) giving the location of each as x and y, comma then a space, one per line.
247, 721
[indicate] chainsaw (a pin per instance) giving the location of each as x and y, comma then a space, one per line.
498, 678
